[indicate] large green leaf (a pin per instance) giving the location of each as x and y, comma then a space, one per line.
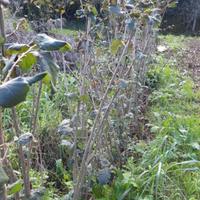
15, 91
17, 48
36, 78
47, 63
50, 44
116, 45
27, 61
15, 187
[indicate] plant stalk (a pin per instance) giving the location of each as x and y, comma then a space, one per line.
3, 194
2, 29
24, 164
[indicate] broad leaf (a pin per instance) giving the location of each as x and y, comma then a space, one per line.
47, 79
27, 61
47, 63
65, 48
36, 78
17, 48
116, 45
50, 44
104, 176
15, 187
25, 139
15, 91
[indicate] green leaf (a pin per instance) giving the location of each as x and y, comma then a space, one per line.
2, 40
67, 47
15, 91
36, 78
27, 61
17, 48
116, 10
47, 79
15, 187
116, 45
46, 63
50, 44
94, 11
84, 98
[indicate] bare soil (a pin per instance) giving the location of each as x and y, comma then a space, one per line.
190, 60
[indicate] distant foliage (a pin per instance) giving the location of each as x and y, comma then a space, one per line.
183, 17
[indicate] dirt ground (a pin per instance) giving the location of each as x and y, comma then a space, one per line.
190, 60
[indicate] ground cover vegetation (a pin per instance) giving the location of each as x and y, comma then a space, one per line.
107, 109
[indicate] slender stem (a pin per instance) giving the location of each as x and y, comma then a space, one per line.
34, 126
93, 134
9, 169
3, 194
25, 167
37, 103
2, 29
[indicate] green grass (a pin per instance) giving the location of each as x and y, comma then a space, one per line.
167, 168
65, 32
176, 43
174, 153
72, 29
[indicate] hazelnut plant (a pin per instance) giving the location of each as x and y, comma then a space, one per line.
18, 60
104, 105
111, 82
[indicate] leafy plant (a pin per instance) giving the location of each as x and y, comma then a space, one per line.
13, 91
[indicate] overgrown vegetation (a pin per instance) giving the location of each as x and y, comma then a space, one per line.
120, 121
